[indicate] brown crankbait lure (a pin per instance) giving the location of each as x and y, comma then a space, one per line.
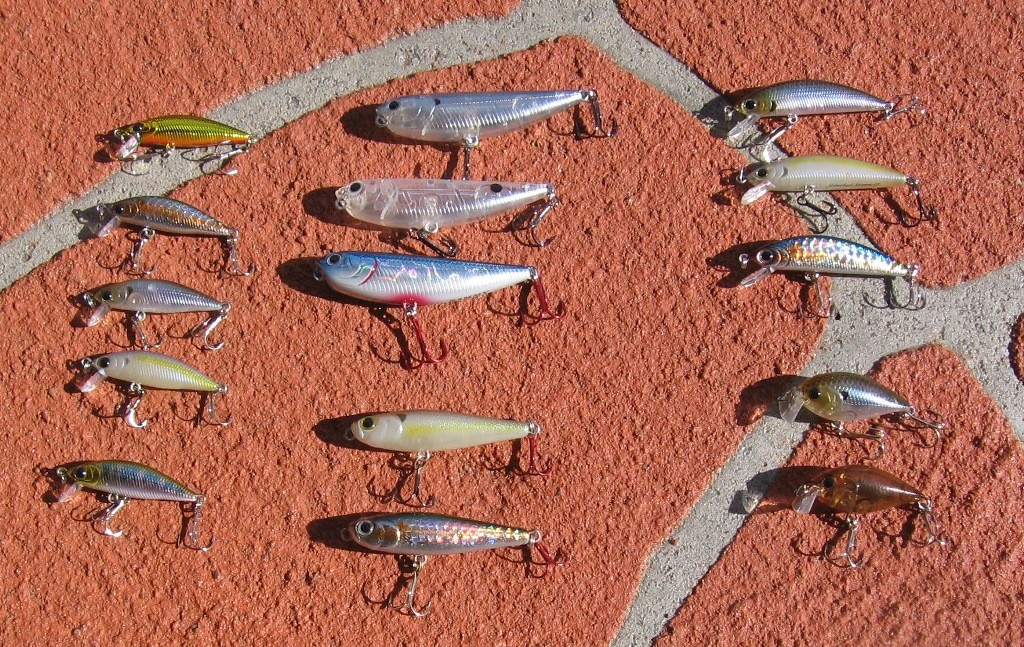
162, 136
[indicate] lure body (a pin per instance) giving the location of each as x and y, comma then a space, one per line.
129, 480
431, 431
147, 368
843, 397
807, 98
856, 489
174, 132
825, 255
419, 533
817, 173
164, 215
150, 296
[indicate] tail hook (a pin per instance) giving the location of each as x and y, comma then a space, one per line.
535, 468
546, 314
549, 561
204, 329
191, 539
209, 413
599, 130
925, 212
538, 218
231, 264
892, 108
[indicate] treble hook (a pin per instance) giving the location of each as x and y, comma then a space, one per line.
231, 265
204, 329
104, 516
915, 300
131, 264
411, 310
409, 606
220, 159
539, 215
191, 538
469, 142
826, 308
773, 136
546, 314
579, 130
925, 213
415, 471
135, 395
209, 412
819, 215
892, 108
874, 433
531, 439
548, 561
451, 248
135, 324
852, 526
936, 533
934, 421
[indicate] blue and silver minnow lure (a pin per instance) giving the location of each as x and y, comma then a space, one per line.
414, 281
467, 117
816, 256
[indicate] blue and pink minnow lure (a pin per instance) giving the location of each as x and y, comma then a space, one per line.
414, 281
420, 535
817, 256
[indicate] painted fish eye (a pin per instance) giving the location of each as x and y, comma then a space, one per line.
366, 423
393, 105
364, 527
355, 187
761, 172
137, 128
334, 259
103, 362
496, 187
767, 256
106, 295
844, 394
119, 208
829, 482
437, 101
749, 104
814, 394
80, 473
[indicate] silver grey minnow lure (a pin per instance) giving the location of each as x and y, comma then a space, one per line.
158, 214
123, 481
794, 99
141, 297
815, 256
142, 368
422, 207
808, 174
421, 535
414, 281
849, 397
467, 117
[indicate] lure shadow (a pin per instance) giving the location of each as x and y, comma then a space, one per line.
361, 122
337, 432
1017, 347
758, 400
320, 203
91, 220
712, 114
728, 262
333, 532
774, 490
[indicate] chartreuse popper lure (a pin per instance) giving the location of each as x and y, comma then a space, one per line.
414, 281
141, 297
857, 489
140, 369
467, 117
848, 397
817, 256
422, 207
123, 481
424, 432
421, 535
143, 141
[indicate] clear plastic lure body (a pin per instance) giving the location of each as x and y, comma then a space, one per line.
123, 481
162, 135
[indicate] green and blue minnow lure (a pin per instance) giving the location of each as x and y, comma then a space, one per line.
141, 368
123, 481
817, 256
164, 135
421, 535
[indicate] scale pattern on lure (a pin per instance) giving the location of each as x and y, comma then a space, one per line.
176, 132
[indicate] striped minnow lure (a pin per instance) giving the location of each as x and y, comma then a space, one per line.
794, 99
163, 135
123, 481
856, 489
424, 206
810, 173
467, 117
424, 432
850, 397
413, 281
814, 256
421, 535
143, 368
152, 214
140, 297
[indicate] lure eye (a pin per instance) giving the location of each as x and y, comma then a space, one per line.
366, 423
80, 473
364, 527
767, 257
137, 128
393, 105
829, 482
437, 101
844, 394
761, 172
496, 188
814, 394
106, 295
119, 208
355, 187
749, 104
103, 362
334, 259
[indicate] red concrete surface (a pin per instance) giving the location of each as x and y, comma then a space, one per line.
962, 61
637, 388
769, 588
80, 69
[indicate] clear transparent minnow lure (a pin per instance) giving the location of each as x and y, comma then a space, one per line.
146, 140
414, 281
817, 256
467, 117
142, 368
424, 432
795, 99
421, 535
141, 297
424, 206
157, 214
857, 489
123, 481
848, 397
811, 173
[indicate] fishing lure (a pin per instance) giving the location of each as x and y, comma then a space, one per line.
414, 281
857, 489
811, 173
164, 135
814, 256
421, 535
123, 481
424, 206
849, 397
143, 368
424, 432
467, 117
153, 214
141, 297
795, 99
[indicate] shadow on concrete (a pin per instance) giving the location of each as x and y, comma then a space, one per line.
759, 399
360, 122
774, 490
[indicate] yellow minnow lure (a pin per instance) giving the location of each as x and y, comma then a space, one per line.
424, 432
163, 135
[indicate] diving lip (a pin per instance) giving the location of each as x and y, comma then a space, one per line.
122, 149
754, 277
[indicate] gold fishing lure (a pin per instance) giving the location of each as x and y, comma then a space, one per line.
145, 140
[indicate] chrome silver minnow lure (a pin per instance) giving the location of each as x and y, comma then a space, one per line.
850, 397
815, 256
424, 206
467, 117
794, 99
123, 481
421, 535
424, 432
158, 214
142, 368
414, 281
811, 173
141, 297
161, 136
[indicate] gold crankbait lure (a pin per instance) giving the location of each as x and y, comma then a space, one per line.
143, 141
